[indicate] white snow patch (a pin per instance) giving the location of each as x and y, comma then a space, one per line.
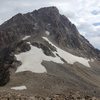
31, 15
47, 32
35, 26
19, 88
26, 37
92, 60
31, 60
71, 59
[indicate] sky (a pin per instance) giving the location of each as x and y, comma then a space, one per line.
85, 14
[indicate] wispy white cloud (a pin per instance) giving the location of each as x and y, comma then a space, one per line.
83, 13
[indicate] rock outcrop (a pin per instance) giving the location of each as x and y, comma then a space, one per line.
6, 60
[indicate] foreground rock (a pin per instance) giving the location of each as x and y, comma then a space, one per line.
20, 96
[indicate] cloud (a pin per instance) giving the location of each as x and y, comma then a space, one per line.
97, 24
95, 41
83, 13
95, 12
9, 8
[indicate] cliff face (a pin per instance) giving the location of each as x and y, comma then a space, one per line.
62, 31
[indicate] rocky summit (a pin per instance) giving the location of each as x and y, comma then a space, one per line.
42, 53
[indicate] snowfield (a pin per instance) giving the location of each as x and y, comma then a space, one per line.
71, 59
31, 60
26, 37
47, 32
19, 88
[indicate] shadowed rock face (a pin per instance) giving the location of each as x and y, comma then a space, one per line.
6, 60
47, 50
22, 46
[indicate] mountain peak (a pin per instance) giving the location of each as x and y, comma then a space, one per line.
62, 31
47, 14
47, 10
51, 8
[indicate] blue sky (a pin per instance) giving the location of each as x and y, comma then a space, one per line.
85, 14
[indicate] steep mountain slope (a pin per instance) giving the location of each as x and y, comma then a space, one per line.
62, 31
43, 53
